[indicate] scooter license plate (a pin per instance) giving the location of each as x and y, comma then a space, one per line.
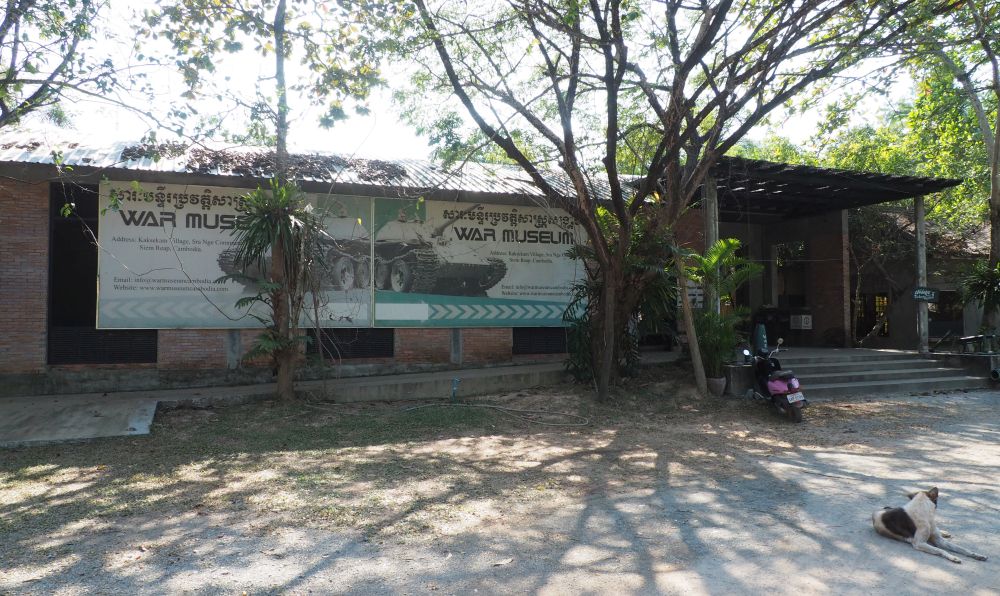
794, 397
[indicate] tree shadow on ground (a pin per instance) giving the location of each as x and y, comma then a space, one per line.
718, 500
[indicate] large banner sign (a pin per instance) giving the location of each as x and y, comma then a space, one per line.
166, 248
443, 264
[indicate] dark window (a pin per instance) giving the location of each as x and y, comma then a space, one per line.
345, 344
73, 337
946, 315
539, 340
792, 270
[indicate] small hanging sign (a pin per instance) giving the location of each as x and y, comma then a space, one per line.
925, 295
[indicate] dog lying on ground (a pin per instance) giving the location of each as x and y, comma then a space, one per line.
914, 523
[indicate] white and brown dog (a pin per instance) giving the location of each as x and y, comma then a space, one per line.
914, 523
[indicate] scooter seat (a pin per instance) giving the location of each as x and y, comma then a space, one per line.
781, 374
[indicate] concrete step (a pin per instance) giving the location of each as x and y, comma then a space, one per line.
822, 391
877, 374
825, 368
842, 356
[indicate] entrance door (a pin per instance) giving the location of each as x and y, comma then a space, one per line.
72, 335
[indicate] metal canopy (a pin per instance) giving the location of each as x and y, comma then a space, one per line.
751, 189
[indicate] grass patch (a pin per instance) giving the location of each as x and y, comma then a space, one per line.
273, 457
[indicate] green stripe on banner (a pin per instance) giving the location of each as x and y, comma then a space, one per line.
394, 309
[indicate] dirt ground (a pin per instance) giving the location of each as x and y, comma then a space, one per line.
658, 494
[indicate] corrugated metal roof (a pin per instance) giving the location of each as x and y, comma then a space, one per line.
745, 186
318, 167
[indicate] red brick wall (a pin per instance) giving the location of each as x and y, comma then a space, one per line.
192, 348
422, 345
689, 231
24, 261
487, 345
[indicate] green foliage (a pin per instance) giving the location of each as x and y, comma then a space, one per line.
717, 338
654, 310
41, 49
269, 217
944, 127
981, 285
598, 90
721, 271
339, 45
774, 148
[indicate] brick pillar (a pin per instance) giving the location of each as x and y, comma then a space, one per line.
829, 279
24, 277
424, 346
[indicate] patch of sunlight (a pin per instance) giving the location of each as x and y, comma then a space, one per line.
845, 546
698, 498
682, 582
585, 555
640, 458
914, 562
125, 561
37, 490
37, 571
263, 475
196, 471
678, 469
701, 453
280, 500
38, 470
714, 534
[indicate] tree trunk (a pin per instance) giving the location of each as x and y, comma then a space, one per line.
699, 369
285, 357
995, 199
286, 374
609, 331
281, 125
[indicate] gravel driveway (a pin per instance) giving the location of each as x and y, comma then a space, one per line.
754, 505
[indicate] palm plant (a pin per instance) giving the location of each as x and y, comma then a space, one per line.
717, 338
981, 284
275, 235
721, 271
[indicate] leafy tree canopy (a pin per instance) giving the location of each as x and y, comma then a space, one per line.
606, 92
336, 47
43, 56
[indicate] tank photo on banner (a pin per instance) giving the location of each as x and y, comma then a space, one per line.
447, 264
164, 250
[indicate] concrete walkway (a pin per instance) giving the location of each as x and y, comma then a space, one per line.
45, 419
53, 419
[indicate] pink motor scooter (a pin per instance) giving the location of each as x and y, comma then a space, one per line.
780, 387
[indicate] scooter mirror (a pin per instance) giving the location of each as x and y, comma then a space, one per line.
780, 341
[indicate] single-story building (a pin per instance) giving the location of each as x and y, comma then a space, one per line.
427, 267
885, 288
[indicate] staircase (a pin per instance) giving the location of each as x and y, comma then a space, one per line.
836, 373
